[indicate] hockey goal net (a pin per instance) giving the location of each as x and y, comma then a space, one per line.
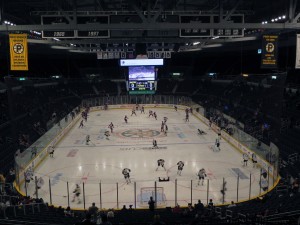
147, 192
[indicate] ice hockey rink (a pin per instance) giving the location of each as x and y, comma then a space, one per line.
97, 167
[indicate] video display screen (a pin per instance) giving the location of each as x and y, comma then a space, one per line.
141, 73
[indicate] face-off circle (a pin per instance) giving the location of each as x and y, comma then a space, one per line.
140, 133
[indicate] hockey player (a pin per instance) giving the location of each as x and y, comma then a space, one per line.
165, 119
187, 118
77, 192
28, 175
150, 113
133, 112
175, 107
217, 144
143, 109
254, 160
126, 174
161, 163
245, 159
166, 129
162, 126
137, 107
87, 139
180, 165
154, 143
155, 116
201, 175
111, 127
187, 111
126, 119
81, 124
209, 124
51, 151
106, 133
39, 183
201, 132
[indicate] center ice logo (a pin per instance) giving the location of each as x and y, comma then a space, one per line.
140, 133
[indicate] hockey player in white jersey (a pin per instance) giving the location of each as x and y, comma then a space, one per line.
77, 192
126, 173
245, 159
161, 163
201, 176
180, 165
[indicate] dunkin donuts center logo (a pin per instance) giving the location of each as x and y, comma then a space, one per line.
140, 133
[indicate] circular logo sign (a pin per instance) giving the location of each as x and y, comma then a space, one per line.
270, 47
18, 48
140, 133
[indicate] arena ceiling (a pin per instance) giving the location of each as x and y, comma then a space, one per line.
174, 25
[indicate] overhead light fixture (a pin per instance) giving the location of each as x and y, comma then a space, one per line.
272, 20
196, 43
276, 19
283, 17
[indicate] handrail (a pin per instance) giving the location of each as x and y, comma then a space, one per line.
291, 213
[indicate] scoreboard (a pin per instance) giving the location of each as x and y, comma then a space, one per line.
142, 87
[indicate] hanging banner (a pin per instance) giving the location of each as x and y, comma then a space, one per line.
269, 51
298, 52
18, 52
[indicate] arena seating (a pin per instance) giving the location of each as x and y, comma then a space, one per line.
236, 99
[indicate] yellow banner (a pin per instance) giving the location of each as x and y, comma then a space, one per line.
18, 52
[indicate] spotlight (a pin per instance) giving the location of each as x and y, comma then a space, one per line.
276, 19
272, 20
279, 17
283, 17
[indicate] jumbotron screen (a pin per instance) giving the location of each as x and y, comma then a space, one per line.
141, 73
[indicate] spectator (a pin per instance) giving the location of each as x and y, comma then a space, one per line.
177, 209
93, 210
124, 208
68, 212
210, 204
232, 204
104, 219
151, 204
190, 208
110, 213
199, 206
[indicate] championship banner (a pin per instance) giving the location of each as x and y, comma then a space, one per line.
18, 52
269, 51
297, 66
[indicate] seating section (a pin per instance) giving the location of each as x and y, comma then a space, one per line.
34, 106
